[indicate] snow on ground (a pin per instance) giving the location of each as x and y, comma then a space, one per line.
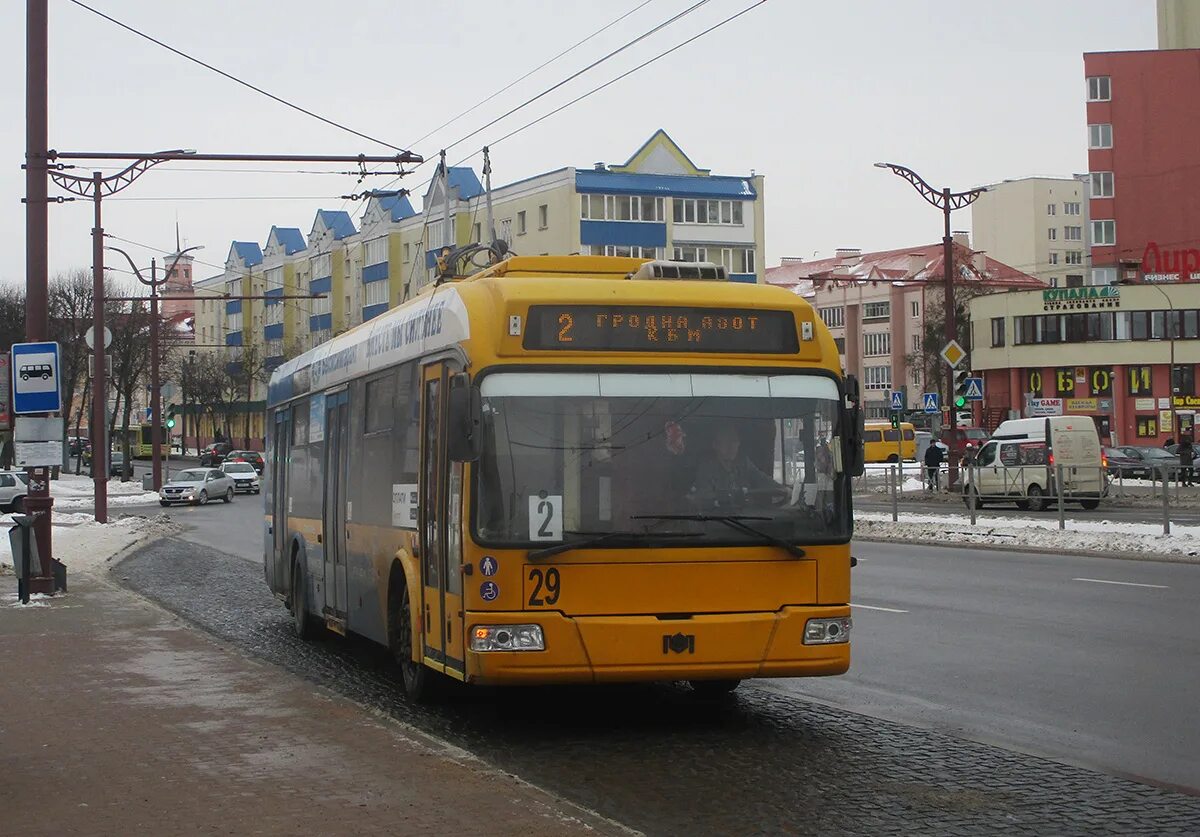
1040, 533
84, 545
75, 492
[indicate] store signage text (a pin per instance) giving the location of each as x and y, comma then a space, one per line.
1187, 400
1081, 299
1169, 265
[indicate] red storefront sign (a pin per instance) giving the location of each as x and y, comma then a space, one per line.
1169, 265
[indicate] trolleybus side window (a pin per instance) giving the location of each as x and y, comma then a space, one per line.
431, 536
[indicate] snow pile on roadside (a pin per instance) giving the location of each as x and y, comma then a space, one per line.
1039, 533
75, 492
84, 545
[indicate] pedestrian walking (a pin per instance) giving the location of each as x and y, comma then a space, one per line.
933, 464
1187, 456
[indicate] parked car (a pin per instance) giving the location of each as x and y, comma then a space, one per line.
253, 457
1151, 461
975, 435
215, 453
75, 445
116, 464
245, 478
13, 487
1120, 464
197, 486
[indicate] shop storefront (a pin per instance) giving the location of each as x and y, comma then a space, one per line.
1105, 352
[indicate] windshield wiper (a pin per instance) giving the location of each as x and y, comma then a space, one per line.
584, 543
733, 521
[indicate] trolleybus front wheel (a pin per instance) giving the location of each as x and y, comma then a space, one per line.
303, 623
420, 683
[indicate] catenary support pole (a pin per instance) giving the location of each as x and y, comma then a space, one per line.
99, 372
155, 396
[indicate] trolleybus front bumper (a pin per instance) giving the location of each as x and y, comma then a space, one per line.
599, 649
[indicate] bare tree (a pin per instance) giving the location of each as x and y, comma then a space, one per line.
12, 330
131, 363
70, 317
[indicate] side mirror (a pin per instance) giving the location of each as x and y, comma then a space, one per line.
852, 421
464, 411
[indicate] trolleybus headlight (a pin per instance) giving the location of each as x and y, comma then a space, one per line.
827, 631
507, 638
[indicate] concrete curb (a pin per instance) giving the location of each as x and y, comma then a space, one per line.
1036, 550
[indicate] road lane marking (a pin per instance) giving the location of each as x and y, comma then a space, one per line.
1123, 583
885, 609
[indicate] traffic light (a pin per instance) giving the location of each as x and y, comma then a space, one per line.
896, 420
170, 416
962, 375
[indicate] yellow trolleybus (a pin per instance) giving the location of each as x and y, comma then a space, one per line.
572, 469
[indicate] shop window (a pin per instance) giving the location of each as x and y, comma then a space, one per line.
1183, 380
1147, 427
1140, 380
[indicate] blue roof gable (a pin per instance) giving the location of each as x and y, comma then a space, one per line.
249, 252
290, 238
667, 185
398, 206
463, 178
338, 222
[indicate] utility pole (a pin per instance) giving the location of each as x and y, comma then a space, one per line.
155, 353
947, 201
96, 187
38, 502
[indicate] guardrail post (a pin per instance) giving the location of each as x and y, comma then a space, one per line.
1166, 504
895, 493
1058, 489
972, 490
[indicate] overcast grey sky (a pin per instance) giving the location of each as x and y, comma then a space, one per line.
809, 94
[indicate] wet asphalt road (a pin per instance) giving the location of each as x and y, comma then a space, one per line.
660, 761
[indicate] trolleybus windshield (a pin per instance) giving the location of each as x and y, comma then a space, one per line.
575, 455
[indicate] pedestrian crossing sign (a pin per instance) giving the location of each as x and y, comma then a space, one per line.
930, 402
897, 400
974, 390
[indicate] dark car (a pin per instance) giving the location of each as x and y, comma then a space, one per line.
1121, 464
116, 465
1151, 462
251, 456
215, 453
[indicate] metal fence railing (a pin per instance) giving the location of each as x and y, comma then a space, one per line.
1041, 488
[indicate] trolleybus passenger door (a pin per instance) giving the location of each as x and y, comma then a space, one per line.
334, 517
441, 580
280, 452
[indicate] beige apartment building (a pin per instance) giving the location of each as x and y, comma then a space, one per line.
1038, 225
1178, 24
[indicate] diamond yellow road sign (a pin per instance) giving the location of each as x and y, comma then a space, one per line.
952, 353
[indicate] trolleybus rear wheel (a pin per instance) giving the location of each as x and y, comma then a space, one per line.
303, 623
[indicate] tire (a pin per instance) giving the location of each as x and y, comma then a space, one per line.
891, 458
420, 683
1023, 505
1037, 498
163, 503
711, 689
202, 500
303, 623
1090, 505
228, 498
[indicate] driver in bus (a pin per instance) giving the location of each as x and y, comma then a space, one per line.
728, 477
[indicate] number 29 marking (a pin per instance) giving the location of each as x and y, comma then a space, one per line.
547, 580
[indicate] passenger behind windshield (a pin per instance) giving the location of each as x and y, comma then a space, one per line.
727, 478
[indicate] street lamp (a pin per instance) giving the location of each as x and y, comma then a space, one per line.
947, 201
155, 399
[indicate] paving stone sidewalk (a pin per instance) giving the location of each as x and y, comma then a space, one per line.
118, 718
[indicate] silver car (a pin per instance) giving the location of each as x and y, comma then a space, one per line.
245, 478
197, 486
14, 485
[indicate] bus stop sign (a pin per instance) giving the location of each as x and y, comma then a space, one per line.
35, 382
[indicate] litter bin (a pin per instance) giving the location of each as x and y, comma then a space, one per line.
147, 482
22, 539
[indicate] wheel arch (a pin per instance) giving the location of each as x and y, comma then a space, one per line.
404, 575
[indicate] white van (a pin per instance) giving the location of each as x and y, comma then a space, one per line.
1018, 465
